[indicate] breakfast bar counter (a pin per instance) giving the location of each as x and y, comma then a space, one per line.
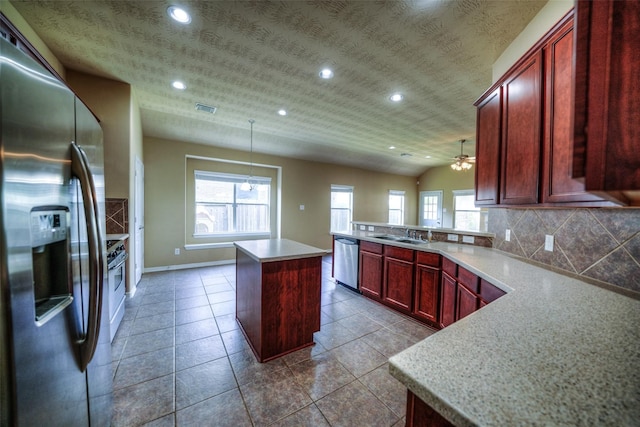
277, 295
554, 351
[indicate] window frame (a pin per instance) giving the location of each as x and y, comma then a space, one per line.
337, 188
235, 204
482, 213
396, 193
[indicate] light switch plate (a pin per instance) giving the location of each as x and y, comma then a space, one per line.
301, 207
507, 235
548, 243
468, 239
176, 251
452, 237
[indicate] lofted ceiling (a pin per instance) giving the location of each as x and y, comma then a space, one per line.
250, 59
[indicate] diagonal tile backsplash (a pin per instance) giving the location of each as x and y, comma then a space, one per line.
596, 243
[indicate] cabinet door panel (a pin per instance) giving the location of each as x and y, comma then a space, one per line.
521, 141
371, 274
558, 184
425, 303
398, 283
447, 300
467, 302
488, 148
607, 95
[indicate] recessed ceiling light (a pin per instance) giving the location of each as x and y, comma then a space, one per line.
179, 14
179, 85
427, 157
396, 97
282, 112
392, 148
326, 73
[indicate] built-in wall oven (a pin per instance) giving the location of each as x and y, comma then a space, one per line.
116, 264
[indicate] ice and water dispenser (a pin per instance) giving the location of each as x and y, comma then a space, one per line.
51, 262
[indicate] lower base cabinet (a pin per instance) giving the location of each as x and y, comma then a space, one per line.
427, 287
419, 414
371, 270
397, 286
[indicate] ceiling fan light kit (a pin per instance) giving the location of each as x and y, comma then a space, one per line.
462, 162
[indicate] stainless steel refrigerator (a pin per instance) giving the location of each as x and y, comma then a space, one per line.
55, 354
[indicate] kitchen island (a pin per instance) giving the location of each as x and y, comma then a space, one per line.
555, 350
277, 295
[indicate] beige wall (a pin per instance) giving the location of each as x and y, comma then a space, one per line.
110, 101
18, 21
303, 183
446, 179
551, 13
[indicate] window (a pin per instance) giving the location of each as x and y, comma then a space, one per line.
396, 207
466, 216
223, 208
341, 207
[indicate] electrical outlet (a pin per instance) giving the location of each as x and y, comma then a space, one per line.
452, 237
176, 251
468, 239
548, 243
362, 228
371, 228
507, 235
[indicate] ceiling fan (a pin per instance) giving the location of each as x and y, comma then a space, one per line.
463, 161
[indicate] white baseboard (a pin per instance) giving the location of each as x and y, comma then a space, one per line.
185, 266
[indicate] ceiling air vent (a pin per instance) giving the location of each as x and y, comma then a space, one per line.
205, 108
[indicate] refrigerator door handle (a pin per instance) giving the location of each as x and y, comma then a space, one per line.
80, 169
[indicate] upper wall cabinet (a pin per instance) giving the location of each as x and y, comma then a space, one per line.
607, 95
524, 140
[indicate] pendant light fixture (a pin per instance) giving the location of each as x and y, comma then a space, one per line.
246, 185
463, 162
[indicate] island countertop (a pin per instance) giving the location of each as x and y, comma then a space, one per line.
270, 250
554, 350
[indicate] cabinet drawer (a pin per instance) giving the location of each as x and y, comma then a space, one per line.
398, 253
449, 267
468, 279
376, 248
489, 292
428, 258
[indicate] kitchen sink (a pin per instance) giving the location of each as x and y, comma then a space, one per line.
400, 239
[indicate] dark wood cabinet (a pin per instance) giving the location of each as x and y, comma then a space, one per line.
427, 286
370, 270
524, 134
558, 184
398, 277
467, 302
521, 124
419, 414
607, 95
448, 298
488, 137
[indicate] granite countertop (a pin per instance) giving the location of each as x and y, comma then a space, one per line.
270, 250
553, 351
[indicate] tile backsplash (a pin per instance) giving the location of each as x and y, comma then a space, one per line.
117, 211
596, 243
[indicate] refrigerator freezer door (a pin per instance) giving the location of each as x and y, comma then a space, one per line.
45, 385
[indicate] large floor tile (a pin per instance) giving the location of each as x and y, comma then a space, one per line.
309, 416
204, 381
199, 351
321, 375
144, 402
387, 389
196, 330
224, 410
144, 367
148, 341
355, 405
359, 357
270, 399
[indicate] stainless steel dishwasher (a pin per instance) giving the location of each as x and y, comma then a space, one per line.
345, 262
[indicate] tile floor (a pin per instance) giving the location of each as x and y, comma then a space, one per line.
179, 359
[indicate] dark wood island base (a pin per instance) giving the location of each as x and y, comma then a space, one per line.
277, 300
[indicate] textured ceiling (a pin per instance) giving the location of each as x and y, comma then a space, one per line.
251, 58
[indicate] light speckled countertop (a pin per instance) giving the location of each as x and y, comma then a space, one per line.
554, 351
270, 250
